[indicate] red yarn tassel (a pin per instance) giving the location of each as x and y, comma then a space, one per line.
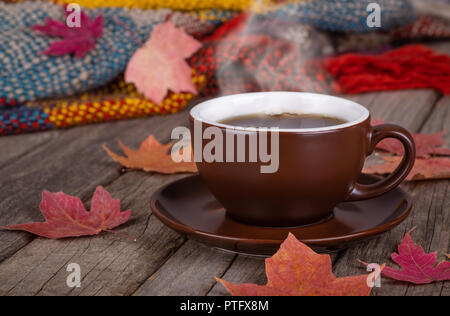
232, 25
410, 67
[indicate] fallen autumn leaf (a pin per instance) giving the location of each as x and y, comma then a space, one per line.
426, 144
424, 168
66, 216
417, 266
296, 270
151, 156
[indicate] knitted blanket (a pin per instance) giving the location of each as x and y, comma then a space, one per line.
260, 54
28, 76
237, 5
346, 15
334, 15
250, 53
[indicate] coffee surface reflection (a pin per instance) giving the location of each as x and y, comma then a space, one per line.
284, 121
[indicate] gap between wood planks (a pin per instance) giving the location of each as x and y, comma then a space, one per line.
73, 162
181, 254
43, 261
41, 283
23, 144
242, 269
411, 103
430, 216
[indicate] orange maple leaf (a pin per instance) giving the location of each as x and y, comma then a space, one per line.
424, 168
160, 64
152, 156
296, 270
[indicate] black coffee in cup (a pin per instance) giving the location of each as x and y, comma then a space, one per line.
284, 121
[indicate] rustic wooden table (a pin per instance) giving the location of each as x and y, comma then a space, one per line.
163, 262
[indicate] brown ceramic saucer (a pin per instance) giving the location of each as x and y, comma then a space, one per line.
188, 207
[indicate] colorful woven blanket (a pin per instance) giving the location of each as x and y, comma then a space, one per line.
345, 15
185, 5
334, 15
255, 55
27, 75
423, 28
251, 52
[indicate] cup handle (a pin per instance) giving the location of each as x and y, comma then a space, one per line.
380, 132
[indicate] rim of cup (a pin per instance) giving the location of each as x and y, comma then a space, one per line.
219, 109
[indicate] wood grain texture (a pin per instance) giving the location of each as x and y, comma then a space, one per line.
441, 47
190, 271
74, 163
110, 264
431, 216
163, 262
246, 269
408, 108
391, 106
16, 146
243, 270
437, 234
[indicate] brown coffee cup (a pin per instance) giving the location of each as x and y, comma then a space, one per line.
318, 168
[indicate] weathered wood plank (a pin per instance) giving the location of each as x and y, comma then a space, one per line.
117, 267
442, 47
246, 270
431, 216
110, 265
190, 271
15, 146
73, 163
409, 108
243, 270
439, 119
437, 236
390, 106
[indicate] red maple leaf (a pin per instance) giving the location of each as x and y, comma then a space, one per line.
417, 266
424, 168
426, 145
160, 64
78, 40
296, 270
66, 216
